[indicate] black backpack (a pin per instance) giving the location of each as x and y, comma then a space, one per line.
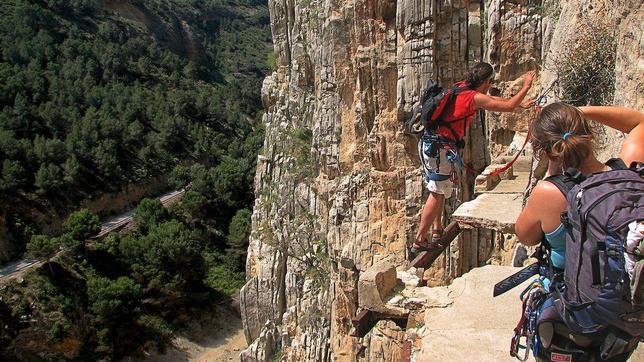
427, 115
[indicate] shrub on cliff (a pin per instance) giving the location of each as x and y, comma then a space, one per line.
586, 67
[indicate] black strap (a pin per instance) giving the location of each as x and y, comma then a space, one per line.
616, 164
573, 176
637, 167
563, 183
594, 263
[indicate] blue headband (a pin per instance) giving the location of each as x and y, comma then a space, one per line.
566, 135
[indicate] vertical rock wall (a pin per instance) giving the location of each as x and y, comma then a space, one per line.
338, 184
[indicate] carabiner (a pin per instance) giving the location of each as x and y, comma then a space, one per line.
515, 346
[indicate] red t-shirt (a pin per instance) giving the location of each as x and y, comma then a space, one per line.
461, 110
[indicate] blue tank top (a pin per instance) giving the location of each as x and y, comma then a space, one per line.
557, 240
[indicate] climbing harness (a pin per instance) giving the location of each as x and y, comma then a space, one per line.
430, 146
533, 298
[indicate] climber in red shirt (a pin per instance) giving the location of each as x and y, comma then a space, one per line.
439, 147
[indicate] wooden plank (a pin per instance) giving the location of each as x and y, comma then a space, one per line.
426, 258
450, 233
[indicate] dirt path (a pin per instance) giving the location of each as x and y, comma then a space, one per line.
220, 339
226, 352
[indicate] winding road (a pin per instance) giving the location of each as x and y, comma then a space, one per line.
107, 226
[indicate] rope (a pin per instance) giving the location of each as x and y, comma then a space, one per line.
538, 103
529, 186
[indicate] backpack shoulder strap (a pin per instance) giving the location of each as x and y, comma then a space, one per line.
616, 164
563, 183
457, 90
454, 91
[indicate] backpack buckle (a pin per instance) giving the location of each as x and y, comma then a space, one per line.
565, 220
575, 175
611, 250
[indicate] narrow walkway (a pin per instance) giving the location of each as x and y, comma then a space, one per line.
475, 326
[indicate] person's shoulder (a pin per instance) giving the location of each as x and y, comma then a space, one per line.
479, 99
546, 190
546, 199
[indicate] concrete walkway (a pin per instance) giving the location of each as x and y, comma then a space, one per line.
499, 201
475, 326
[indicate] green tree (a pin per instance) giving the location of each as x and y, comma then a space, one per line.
72, 170
221, 275
111, 300
14, 176
149, 212
167, 261
116, 305
49, 178
43, 246
238, 233
80, 226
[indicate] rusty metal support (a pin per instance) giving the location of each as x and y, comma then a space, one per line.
405, 355
367, 319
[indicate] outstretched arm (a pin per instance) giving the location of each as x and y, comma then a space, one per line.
497, 104
622, 119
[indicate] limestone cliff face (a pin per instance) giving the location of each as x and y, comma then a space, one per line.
338, 184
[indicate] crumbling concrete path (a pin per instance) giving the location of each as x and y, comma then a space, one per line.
475, 326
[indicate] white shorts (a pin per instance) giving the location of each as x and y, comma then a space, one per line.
441, 166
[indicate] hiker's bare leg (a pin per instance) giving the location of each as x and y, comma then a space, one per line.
433, 208
437, 226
